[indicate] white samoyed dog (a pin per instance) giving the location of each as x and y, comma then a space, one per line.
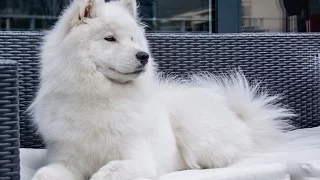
104, 114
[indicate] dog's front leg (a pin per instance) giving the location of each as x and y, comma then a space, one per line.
137, 162
126, 170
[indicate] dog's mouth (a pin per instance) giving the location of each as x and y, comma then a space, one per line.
136, 72
120, 77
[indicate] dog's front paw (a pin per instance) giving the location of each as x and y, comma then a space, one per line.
46, 174
53, 172
125, 170
110, 171
121, 170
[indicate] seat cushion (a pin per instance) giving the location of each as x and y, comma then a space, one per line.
274, 171
298, 158
30, 161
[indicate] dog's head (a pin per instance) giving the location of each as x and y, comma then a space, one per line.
108, 35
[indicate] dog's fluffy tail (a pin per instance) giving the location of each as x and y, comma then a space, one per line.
266, 118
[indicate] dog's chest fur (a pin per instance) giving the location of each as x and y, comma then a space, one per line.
95, 132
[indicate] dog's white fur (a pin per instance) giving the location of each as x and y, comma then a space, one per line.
101, 121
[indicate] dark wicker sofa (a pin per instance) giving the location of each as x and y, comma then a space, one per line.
285, 63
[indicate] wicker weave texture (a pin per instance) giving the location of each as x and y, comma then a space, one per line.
9, 121
286, 63
23, 48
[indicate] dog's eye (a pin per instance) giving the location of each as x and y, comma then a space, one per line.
131, 38
110, 39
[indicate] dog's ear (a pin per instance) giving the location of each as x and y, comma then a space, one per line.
88, 8
131, 5
77, 13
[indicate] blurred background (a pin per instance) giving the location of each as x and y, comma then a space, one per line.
197, 16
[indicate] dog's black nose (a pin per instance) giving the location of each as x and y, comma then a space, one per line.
142, 57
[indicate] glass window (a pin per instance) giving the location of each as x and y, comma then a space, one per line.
262, 16
181, 16
280, 15
159, 15
197, 16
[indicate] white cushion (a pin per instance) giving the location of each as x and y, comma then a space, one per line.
272, 171
297, 158
30, 161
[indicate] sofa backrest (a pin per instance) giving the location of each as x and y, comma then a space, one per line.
285, 63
